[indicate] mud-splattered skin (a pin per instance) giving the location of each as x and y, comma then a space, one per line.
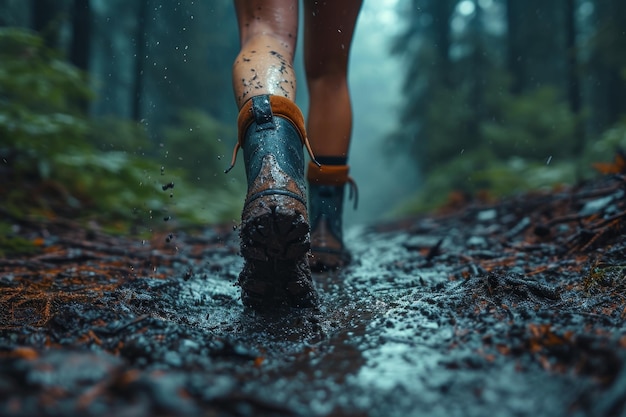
263, 72
268, 32
265, 62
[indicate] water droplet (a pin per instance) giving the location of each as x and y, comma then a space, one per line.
549, 160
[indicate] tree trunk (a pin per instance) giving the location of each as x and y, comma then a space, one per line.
617, 63
442, 12
81, 41
515, 45
46, 19
573, 70
81, 34
140, 39
606, 89
477, 70
536, 40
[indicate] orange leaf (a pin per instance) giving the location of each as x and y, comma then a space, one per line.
25, 353
618, 166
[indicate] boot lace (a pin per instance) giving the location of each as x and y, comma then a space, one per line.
353, 192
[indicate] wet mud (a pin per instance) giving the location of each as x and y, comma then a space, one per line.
513, 308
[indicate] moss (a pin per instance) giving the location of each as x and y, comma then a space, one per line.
13, 245
605, 278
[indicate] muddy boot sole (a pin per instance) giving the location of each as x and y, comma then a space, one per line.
269, 286
275, 228
275, 245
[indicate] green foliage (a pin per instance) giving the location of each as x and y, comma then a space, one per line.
197, 143
114, 183
603, 149
42, 129
196, 148
113, 133
35, 76
39, 117
527, 143
480, 171
532, 125
445, 128
470, 127
58, 161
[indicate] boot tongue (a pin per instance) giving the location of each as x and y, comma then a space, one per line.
262, 112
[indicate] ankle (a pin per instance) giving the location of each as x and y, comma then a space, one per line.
328, 174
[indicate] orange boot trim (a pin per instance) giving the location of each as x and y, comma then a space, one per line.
282, 107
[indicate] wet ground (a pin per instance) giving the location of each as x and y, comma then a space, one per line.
514, 308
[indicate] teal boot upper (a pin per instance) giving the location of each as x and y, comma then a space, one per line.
272, 135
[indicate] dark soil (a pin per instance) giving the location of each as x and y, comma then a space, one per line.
511, 309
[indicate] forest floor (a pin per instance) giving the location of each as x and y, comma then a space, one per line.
512, 308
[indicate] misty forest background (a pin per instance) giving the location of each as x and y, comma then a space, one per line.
103, 103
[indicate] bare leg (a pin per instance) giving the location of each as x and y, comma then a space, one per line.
268, 32
329, 26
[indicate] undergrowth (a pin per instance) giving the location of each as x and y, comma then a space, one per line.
58, 160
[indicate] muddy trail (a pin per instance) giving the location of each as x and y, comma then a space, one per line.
514, 308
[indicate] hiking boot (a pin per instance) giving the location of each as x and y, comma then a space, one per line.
326, 195
274, 222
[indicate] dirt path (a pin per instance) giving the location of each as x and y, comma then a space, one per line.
510, 309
